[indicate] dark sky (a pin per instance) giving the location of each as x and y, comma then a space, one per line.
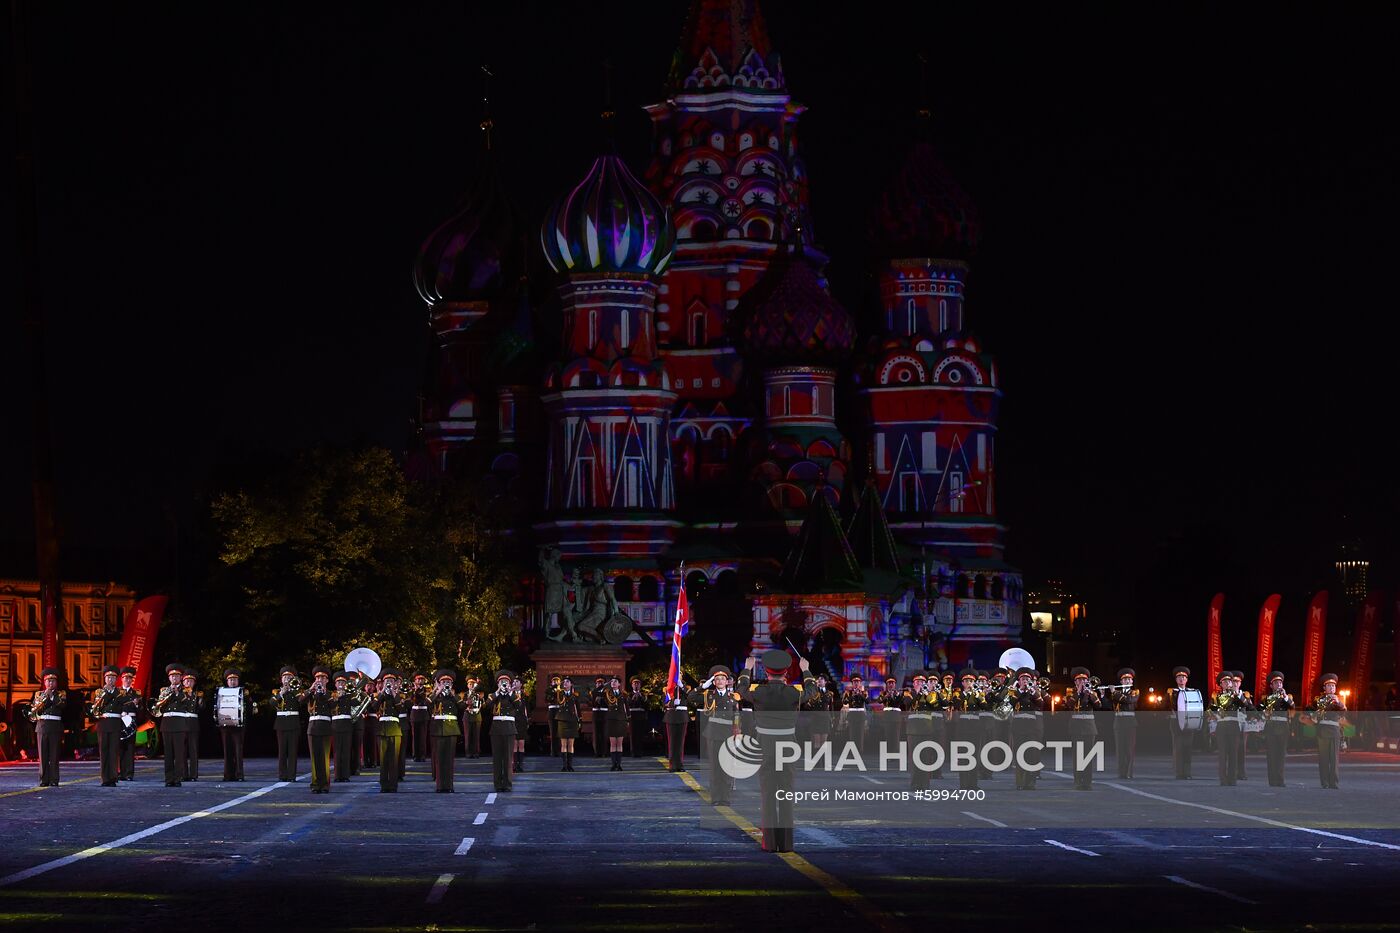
1187, 269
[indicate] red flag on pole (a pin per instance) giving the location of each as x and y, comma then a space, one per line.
1215, 657
1264, 655
673, 676
139, 638
1313, 639
50, 649
1368, 623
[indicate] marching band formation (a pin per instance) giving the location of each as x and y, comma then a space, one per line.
370, 716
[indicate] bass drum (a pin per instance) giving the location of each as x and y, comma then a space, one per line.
1190, 709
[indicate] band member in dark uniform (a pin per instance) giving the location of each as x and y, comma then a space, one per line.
445, 709
815, 722
522, 724
853, 709
320, 707
1124, 701
721, 721
1327, 713
919, 726
553, 689
133, 716
171, 711
502, 707
567, 706
988, 720
675, 720
105, 711
1227, 709
286, 723
1028, 703
1083, 702
1237, 680
600, 728
1277, 705
391, 709
775, 706
342, 726
891, 712
371, 721
355, 686
967, 726
233, 735
638, 708
1181, 738
418, 717
46, 709
472, 702
615, 716
195, 701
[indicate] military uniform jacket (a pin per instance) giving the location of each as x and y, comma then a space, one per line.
503, 709
344, 705
286, 701
445, 710
180, 714
855, 699
472, 702
776, 703
320, 707
616, 706
108, 707
568, 707
392, 712
1084, 701
638, 702
1229, 706
1328, 708
678, 707
1124, 701
598, 697
1027, 701
133, 704
418, 712
923, 707
721, 714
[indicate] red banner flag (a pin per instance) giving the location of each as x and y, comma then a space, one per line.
1313, 639
139, 638
1264, 655
50, 649
1215, 656
1368, 623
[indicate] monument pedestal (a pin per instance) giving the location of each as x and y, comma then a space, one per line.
580, 662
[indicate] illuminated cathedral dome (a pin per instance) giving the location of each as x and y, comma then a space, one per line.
792, 318
608, 223
462, 259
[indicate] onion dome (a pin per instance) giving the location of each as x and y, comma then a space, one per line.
609, 223
462, 259
925, 212
792, 318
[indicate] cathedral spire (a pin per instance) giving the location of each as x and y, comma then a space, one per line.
724, 44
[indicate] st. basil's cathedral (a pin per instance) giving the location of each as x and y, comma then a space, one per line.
705, 406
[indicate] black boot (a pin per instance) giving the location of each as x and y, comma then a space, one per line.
568, 761
617, 761
519, 761
565, 765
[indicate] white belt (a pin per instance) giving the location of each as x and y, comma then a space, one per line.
893, 709
855, 709
388, 719
636, 709
1083, 716
1023, 715
506, 718
1278, 719
680, 707
1121, 713
418, 707
320, 718
969, 715
599, 709
287, 712
554, 706
342, 716
186, 715
762, 731
920, 715
111, 715
723, 722
437, 716
47, 716
1328, 722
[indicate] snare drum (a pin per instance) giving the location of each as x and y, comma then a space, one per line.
228, 708
1190, 709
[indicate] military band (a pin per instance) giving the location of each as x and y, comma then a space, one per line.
342, 726
472, 703
1181, 736
968, 705
923, 707
853, 711
1276, 705
1083, 702
1326, 715
105, 711
502, 706
615, 718
391, 710
445, 708
321, 706
1029, 699
46, 710
232, 731
775, 715
418, 717
196, 706
1228, 706
599, 725
287, 705
522, 722
133, 716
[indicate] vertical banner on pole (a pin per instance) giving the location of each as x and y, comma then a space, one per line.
1314, 638
1264, 655
139, 638
1368, 624
1215, 656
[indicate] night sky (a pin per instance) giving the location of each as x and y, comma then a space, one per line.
1186, 271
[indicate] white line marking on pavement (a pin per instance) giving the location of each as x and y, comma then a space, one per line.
986, 819
1055, 842
1258, 819
490, 798
480, 818
465, 846
1200, 887
28, 873
866, 777
821, 837
439, 888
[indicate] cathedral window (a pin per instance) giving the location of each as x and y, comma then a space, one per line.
592, 330
955, 492
942, 314
697, 329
